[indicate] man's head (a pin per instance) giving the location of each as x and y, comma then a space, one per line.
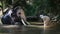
41, 16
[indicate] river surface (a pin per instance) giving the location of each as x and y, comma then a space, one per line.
27, 30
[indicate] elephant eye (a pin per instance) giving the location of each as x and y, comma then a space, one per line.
19, 13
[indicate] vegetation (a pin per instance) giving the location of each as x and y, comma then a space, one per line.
37, 7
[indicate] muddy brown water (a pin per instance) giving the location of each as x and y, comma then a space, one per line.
4, 29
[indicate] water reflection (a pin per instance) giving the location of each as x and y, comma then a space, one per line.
53, 30
28, 30
22, 30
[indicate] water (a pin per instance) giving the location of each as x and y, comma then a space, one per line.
28, 30
21, 30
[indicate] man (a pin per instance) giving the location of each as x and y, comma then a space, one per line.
46, 19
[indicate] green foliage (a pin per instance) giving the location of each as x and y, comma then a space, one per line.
34, 9
38, 6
